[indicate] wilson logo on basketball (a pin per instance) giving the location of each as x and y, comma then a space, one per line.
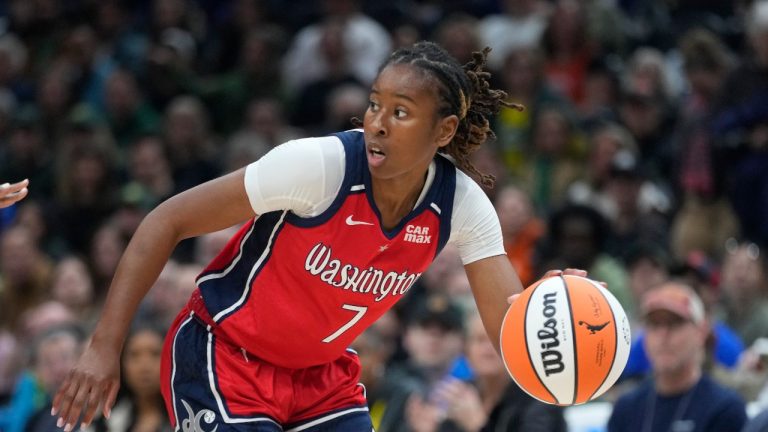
572, 350
550, 357
593, 328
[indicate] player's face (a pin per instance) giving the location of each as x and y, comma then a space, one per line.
402, 128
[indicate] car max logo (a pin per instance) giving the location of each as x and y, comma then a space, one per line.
593, 328
417, 234
548, 335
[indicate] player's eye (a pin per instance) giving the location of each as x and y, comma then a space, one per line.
373, 106
400, 113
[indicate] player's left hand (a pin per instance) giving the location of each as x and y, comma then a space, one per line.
569, 271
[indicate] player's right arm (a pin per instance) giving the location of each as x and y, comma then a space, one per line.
209, 207
302, 176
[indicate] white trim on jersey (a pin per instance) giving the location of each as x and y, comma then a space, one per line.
173, 368
256, 266
232, 264
325, 419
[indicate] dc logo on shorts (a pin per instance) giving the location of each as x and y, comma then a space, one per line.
192, 423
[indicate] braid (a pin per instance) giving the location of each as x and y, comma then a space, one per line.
474, 129
464, 92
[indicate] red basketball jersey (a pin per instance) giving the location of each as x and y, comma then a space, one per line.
297, 291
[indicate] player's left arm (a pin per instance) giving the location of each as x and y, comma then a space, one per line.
476, 232
495, 285
493, 281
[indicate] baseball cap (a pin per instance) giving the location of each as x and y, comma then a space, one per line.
438, 310
675, 298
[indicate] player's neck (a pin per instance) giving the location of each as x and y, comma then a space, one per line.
677, 382
395, 199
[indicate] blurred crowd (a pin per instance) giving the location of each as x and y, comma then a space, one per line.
641, 157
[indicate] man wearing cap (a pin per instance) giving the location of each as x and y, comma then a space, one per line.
724, 346
679, 397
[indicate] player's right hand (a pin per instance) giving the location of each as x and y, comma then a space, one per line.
91, 384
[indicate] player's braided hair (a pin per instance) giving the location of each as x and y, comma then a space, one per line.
464, 92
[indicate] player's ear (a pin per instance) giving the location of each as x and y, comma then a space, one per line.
447, 129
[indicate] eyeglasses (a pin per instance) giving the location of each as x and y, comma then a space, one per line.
732, 246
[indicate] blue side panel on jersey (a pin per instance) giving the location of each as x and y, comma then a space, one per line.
222, 292
354, 165
443, 196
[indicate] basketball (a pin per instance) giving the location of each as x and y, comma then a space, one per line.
565, 340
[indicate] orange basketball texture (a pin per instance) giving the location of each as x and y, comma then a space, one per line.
565, 340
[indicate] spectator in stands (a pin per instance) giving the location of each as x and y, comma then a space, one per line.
104, 253
310, 105
491, 402
576, 237
522, 77
705, 219
520, 23
680, 395
744, 286
26, 154
636, 206
149, 168
26, 275
433, 339
604, 142
521, 229
724, 347
190, 143
555, 159
375, 349
569, 48
72, 286
140, 406
53, 353
129, 116
364, 40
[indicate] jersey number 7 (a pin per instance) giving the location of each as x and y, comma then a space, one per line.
359, 312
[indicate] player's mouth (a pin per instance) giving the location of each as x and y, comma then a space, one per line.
376, 155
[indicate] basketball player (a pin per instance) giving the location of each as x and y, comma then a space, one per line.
338, 229
11, 193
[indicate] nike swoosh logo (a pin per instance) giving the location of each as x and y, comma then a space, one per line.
350, 221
